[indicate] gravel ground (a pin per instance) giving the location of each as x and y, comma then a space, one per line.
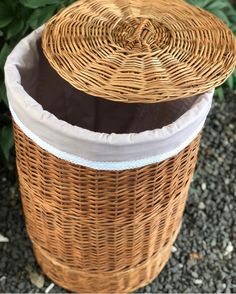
204, 255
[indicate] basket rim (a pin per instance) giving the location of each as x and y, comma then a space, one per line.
85, 144
182, 53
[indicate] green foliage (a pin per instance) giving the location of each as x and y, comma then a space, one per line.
226, 12
19, 17
221, 8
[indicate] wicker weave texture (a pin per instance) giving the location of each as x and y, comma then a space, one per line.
102, 231
139, 50
108, 282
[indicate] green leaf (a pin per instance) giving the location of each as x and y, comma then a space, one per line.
11, 4
220, 93
6, 49
6, 141
233, 28
230, 82
231, 7
39, 3
201, 3
221, 15
15, 28
191, 2
232, 14
234, 73
6, 15
3, 94
69, 2
40, 16
217, 5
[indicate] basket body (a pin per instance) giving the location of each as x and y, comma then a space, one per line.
100, 231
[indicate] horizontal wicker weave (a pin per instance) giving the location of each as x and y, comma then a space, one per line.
139, 50
102, 231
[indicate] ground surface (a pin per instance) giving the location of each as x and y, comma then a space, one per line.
204, 255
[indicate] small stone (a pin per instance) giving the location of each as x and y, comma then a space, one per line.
203, 186
194, 274
190, 263
154, 288
229, 249
198, 282
201, 206
3, 239
195, 256
49, 288
3, 279
174, 249
213, 243
37, 279
148, 289
21, 285
227, 181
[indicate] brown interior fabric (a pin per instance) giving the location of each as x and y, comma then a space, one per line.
96, 114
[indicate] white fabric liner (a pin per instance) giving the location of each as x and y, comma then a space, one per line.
88, 148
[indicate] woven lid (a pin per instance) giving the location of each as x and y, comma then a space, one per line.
139, 50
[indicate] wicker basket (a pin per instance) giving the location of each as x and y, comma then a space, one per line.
103, 210
125, 240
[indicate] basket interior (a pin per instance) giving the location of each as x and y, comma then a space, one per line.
95, 114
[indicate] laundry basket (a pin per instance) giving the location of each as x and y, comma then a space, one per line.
108, 101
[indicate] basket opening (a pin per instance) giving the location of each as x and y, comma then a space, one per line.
58, 97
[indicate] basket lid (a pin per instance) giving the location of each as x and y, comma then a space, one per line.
139, 50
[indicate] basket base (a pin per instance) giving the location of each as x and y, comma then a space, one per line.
105, 282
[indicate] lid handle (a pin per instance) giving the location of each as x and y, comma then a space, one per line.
142, 32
